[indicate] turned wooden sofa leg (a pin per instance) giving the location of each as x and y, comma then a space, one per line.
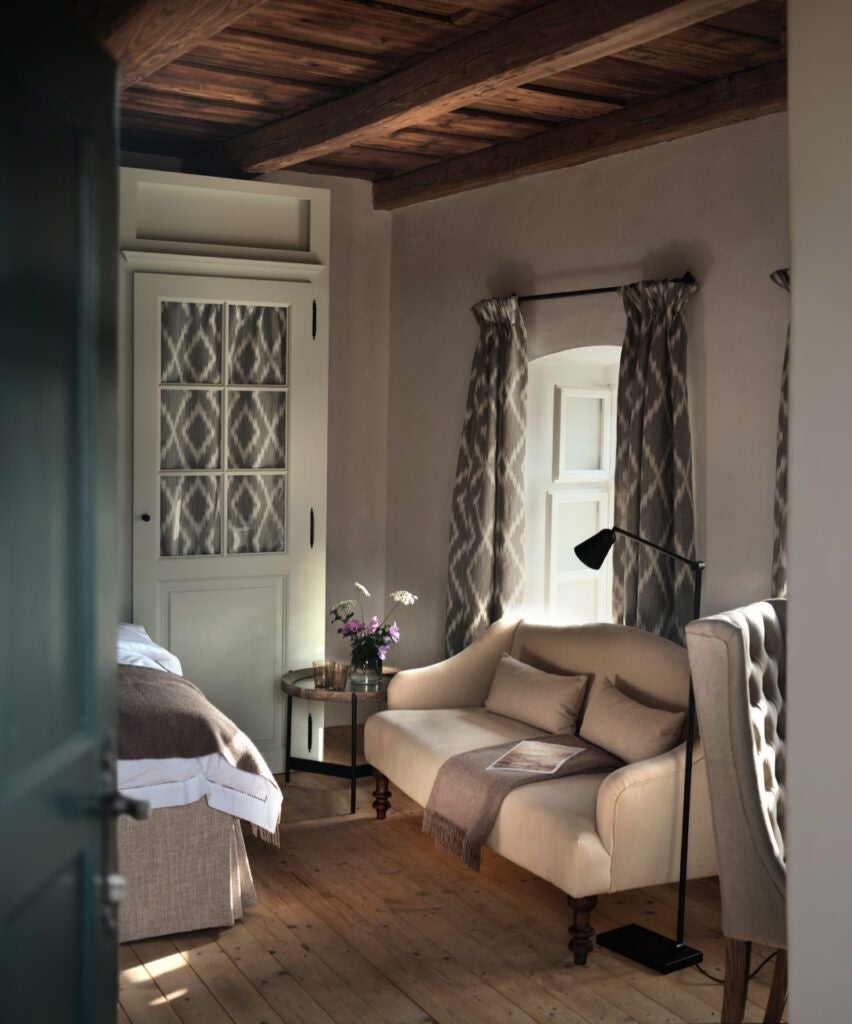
581, 928
737, 960
778, 992
382, 794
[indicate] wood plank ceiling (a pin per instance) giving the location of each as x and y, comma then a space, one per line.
430, 97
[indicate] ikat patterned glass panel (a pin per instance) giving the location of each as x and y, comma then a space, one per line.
190, 429
256, 513
190, 515
191, 343
257, 429
258, 348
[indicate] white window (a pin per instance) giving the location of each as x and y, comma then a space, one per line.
569, 482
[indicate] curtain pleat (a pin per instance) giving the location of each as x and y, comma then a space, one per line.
486, 554
779, 547
653, 473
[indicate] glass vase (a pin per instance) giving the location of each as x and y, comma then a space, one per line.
365, 672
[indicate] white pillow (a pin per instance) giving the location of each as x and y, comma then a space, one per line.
135, 647
626, 728
543, 699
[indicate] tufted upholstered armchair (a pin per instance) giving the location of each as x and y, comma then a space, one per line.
739, 676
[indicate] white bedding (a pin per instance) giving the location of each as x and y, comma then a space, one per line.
175, 781
135, 647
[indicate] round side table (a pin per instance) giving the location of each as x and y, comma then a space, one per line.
300, 684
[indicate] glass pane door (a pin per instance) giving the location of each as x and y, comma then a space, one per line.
223, 428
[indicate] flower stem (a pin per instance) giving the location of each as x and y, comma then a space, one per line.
389, 614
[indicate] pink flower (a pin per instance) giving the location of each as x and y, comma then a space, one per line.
373, 624
393, 632
383, 651
352, 626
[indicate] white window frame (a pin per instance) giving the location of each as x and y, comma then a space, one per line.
563, 394
574, 486
603, 576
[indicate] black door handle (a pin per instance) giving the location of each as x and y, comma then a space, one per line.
115, 805
145, 517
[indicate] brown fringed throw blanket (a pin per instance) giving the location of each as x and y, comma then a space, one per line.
466, 798
161, 715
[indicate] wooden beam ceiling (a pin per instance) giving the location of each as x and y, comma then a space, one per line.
554, 37
715, 104
152, 33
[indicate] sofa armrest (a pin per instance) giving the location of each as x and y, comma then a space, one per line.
459, 682
639, 820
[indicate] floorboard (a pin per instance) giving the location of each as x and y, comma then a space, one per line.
365, 922
187, 994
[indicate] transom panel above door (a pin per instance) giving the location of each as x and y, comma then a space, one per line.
230, 409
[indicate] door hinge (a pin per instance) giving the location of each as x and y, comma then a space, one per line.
312, 528
314, 320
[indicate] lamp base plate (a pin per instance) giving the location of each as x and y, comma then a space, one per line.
650, 949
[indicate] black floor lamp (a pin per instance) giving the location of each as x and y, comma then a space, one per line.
632, 940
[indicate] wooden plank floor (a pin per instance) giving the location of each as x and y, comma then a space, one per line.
365, 922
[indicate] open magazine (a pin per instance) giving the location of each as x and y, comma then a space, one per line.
535, 756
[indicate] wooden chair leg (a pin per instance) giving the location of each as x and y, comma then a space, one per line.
737, 960
581, 928
778, 992
382, 794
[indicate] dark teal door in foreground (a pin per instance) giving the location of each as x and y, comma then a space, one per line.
57, 551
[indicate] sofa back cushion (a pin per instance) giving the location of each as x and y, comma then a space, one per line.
544, 699
625, 727
650, 669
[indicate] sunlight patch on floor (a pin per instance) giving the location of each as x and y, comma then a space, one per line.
163, 1000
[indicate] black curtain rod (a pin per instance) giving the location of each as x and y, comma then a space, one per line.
686, 279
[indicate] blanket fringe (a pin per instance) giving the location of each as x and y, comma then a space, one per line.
451, 837
272, 838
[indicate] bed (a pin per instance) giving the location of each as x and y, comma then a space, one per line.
186, 867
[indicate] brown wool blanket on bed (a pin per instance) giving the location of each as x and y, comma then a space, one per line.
161, 715
466, 798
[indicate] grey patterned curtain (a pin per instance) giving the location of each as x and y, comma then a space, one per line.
779, 548
653, 470
486, 556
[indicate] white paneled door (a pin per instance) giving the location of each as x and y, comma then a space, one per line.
230, 413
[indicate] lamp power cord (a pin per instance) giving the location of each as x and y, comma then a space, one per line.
754, 973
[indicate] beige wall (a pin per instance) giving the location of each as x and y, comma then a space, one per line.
714, 203
820, 550
357, 390
402, 336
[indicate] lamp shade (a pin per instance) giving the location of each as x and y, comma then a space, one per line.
593, 551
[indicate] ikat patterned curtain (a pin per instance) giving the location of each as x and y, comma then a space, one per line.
779, 548
486, 555
653, 470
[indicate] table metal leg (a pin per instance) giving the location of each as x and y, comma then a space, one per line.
354, 740
287, 737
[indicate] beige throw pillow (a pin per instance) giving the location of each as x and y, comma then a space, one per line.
626, 728
548, 701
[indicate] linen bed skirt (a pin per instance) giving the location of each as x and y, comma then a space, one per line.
185, 868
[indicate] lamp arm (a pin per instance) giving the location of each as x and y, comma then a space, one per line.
695, 563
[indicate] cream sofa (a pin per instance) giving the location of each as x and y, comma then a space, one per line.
586, 834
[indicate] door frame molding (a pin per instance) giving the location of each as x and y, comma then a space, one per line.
219, 266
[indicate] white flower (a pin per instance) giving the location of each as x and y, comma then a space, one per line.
344, 606
403, 597
362, 588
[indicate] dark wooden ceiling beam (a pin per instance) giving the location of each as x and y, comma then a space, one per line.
150, 34
543, 41
725, 101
